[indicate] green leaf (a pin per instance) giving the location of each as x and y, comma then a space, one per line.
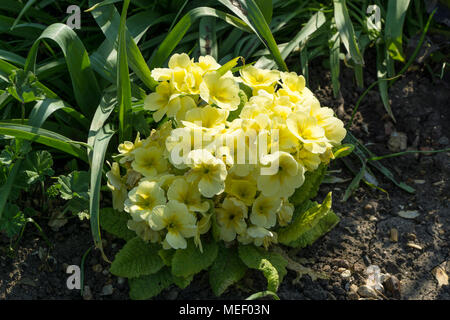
382, 74
85, 85
137, 258
181, 282
310, 187
22, 12
123, 80
309, 225
177, 33
146, 287
115, 222
74, 185
208, 37
101, 142
263, 294
250, 13
46, 137
226, 270
38, 165
189, 261
167, 256
343, 150
23, 86
266, 8
346, 31
108, 20
12, 220
272, 264
335, 44
393, 32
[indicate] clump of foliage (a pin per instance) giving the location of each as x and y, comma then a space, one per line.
194, 195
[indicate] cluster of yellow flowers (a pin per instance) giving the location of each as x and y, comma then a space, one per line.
205, 164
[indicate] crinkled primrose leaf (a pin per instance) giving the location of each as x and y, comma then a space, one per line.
137, 258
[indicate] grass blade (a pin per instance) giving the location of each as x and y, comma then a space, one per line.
313, 24
176, 35
98, 158
22, 12
346, 31
108, 20
250, 13
383, 85
42, 136
395, 17
208, 37
86, 88
123, 80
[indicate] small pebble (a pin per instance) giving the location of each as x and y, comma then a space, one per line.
411, 236
443, 141
353, 296
120, 280
353, 288
394, 235
107, 290
87, 294
97, 268
392, 284
413, 245
368, 207
419, 181
367, 292
346, 274
105, 272
373, 218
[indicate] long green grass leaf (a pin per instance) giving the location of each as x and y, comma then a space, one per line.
101, 142
45, 137
250, 13
395, 18
176, 35
123, 80
86, 88
346, 31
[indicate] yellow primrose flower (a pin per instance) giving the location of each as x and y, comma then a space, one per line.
220, 90
177, 60
182, 141
149, 161
231, 218
144, 231
310, 161
176, 219
284, 140
292, 82
258, 236
285, 213
207, 63
142, 199
334, 127
186, 193
264, 211
289, 175
207, 117
259, 79
208, 171
242, 189
306, 129
160, 101
185, 104
117, 186
126, 149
